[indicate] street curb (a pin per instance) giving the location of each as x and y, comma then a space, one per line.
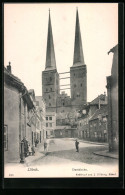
105, 155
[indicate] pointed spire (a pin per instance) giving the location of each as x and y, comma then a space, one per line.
50, 53
78, 52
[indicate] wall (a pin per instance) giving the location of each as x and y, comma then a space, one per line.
11, 119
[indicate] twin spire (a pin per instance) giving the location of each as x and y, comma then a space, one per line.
78, 51
50, 53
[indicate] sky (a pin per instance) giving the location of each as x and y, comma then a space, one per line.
25, 41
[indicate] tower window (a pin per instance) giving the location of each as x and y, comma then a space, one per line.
63, 104
74, 85
78, 95
81, 84
49, 97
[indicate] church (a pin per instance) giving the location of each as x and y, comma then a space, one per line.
66, 108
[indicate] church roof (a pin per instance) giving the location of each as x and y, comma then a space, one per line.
50, 53
78, 51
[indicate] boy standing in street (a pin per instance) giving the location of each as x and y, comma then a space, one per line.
77, 146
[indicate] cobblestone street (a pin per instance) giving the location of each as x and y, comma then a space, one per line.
62, 160
61, 150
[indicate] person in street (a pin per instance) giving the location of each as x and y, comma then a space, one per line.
36, 142
33, 150
25, 146
45, 146
77, 145
29, 149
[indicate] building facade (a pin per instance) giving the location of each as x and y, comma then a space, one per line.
92, 122
50, 124
17, 107
22, 117
98, 125
112, 91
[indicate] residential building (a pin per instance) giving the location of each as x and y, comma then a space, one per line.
50, 124
98, 125
112, 92
17, 108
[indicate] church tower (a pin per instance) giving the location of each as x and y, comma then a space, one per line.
78, 71
50, 76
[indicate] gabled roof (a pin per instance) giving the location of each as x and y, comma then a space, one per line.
14, 81
102, 98
103, 111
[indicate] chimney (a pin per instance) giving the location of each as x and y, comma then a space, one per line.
9, 67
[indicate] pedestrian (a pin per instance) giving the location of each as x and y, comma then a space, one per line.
36, 142
77, 145
45, 145
25, 146
33, 150
30, 151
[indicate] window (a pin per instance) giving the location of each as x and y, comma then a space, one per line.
50, 124
50, 89
95, 134
50, 78
80, 124
49, 97
47, 118
50, 118
46, 89
74, 85
49, 104
51, 132
5, 137
81, 84
74, 74
46, 124
78, 95
63, 104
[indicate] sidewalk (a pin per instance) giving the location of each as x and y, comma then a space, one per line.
39, 153
106, 153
